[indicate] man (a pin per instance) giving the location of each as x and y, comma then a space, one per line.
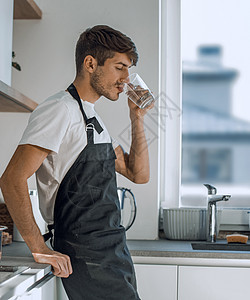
69, 148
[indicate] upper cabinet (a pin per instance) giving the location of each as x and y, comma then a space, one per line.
13, 101
26, 9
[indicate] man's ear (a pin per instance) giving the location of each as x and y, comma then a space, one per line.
90, 64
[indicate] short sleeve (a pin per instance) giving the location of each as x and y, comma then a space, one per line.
47, 125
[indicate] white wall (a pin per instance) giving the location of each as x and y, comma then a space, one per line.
45, 51
6, 15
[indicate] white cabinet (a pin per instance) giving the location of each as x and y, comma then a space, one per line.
153, 281
44, 289
48, 289
6, 29
213, 283
156, 281
61, 294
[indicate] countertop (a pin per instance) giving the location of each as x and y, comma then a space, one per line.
142, 251
16, 249
18, 254
158, 251
171, 248
165, 251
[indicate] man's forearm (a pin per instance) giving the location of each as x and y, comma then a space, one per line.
138, 155
24, 163
18, 202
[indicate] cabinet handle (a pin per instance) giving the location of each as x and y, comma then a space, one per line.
41, 282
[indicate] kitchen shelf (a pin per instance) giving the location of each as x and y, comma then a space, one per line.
26, 9
13, 101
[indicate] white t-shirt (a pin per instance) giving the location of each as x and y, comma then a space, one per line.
57, 124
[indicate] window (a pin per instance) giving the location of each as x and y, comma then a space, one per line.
206, 165
205, 73
215, 75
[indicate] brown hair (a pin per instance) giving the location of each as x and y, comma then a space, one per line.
102, 42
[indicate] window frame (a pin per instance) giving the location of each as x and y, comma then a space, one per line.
170, 87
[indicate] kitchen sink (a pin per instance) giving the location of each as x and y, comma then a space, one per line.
222, 246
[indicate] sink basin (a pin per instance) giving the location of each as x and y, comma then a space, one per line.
221, 246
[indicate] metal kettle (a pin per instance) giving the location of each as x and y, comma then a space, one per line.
128, 207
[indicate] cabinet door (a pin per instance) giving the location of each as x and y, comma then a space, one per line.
213, 283
156, 281
45, 289
48, 289
61, 294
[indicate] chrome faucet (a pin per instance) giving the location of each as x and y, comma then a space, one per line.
212, 211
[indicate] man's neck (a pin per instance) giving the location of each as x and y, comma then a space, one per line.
85, 90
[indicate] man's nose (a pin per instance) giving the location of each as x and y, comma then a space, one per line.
125, 77
125, 80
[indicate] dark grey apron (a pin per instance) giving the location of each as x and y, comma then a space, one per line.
87, 224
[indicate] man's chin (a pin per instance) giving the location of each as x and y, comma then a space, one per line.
115, 98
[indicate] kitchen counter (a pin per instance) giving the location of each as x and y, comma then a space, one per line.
152, 248
17, 249
172, 254
181, 253
171, 248
152, 251
18, 254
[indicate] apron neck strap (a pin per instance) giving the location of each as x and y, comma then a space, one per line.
73, 92
91, 123
90, 129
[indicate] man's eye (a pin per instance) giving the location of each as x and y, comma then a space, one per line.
120, 69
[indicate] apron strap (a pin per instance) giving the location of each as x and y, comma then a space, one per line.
96, 124
49, 235
91, 123
73, 92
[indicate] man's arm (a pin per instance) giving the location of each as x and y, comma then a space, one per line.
24, 163
135, 165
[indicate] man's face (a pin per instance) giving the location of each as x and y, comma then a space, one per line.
108, 80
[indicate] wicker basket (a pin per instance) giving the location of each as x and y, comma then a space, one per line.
5, 218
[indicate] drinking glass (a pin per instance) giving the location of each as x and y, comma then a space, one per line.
138, 92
